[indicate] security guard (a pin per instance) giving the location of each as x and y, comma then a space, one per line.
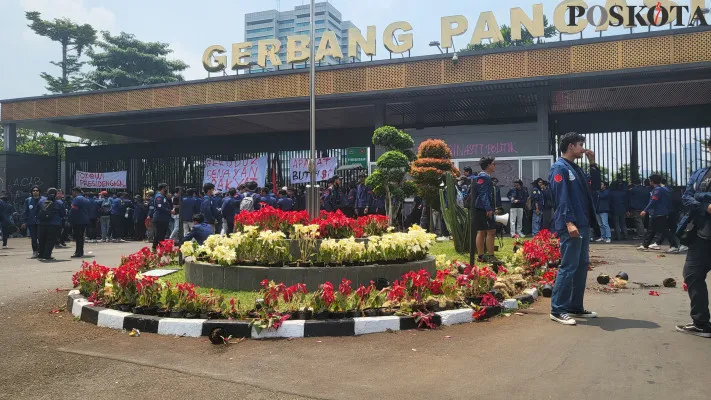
574, 216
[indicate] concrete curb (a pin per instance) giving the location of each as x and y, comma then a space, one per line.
108, 318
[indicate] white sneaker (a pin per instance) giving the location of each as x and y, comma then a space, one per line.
5, 247
655, 246
673, 250
563, 318
608, 241
642, 248
599, 240
683, 248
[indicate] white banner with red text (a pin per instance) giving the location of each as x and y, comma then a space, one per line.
101, 180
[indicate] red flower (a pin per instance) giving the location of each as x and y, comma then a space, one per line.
327, 294
396, 292
653, 293
489, 300
345, 287
479, 314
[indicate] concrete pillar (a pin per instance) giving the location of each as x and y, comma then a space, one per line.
545, 143
10, 137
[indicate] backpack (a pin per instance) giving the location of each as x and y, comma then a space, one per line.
106, 206
247, 204
47, 211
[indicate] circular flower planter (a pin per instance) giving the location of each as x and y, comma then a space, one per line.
246, 277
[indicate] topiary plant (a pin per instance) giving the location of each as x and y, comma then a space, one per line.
392, 167
433, 161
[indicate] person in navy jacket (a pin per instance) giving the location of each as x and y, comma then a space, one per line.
79, 219
265, 198
518, 197
573, 219
537, 203
208, 207
603, 213
50, 223
285, 203
619, 207
140, 213
547, 205
91, 231
200, 230
5, 218
697, 200
161, 214
484, 205
658, 209
364, 198
229, 204
118, 210
189, 206
350, 203
29, 218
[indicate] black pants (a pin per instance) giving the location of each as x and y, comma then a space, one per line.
34, 236
117, 225
139, 228
48, 235
547, 218
659, 225
79, 231
697, 266
672, 220
161, 229
5, 228
91, 229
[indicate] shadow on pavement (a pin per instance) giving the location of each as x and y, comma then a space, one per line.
612, 324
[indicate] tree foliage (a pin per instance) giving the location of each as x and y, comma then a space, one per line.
126, 61
42, 143
434, 159
74, 40
526, 37
389, 178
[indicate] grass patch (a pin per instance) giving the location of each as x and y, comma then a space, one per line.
447, 248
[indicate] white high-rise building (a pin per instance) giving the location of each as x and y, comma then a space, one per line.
273, 24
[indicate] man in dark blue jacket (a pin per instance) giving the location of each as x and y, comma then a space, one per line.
6, 222
189, 206
161, 215
484, 211
200, 230
518, 196
697, 199
29, 218
364, 198
547, 205
118, 211
638, 200
658, 209
618, 210
285, 203
208, 208
50, 216
603, 213
229, 204
91, 231
140, 213
574, 217
79, 219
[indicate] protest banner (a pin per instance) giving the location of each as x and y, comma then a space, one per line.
325, 169
101, 180
230, 174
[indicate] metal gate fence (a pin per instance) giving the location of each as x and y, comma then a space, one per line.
673, 153
187, 171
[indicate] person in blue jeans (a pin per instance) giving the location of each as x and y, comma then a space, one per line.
573, 218
603, 213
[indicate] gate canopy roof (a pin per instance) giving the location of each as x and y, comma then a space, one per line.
627, 76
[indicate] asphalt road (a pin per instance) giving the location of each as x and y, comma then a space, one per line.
630, 352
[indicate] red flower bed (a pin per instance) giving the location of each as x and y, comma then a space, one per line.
542, 249
333, 225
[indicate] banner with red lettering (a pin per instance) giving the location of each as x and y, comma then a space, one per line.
230, 174
325, 169
101, 180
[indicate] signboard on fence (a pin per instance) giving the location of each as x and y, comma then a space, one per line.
325, 169
230, 174
357, 155
101, 180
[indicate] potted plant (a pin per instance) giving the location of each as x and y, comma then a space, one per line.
149, 290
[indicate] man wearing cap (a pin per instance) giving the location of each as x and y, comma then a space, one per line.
697, 199
574, 218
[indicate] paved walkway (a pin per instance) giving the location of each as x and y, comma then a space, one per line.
631, 352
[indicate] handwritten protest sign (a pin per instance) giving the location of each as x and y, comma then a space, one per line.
325, 169
230, 174
101, 180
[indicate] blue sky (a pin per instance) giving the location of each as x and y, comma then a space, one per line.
190, 26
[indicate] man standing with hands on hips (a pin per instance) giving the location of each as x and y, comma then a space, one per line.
574, 216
